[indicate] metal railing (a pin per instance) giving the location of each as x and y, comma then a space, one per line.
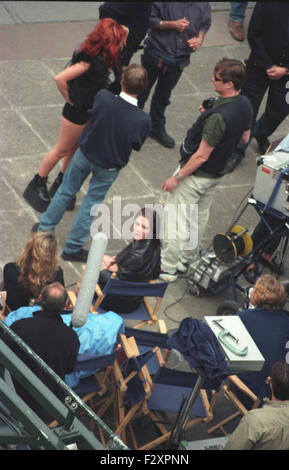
32, 431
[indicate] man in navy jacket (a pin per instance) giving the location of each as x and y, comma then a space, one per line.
116, 127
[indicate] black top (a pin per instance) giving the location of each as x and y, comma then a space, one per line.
57, 345
134, 15
138, 262
17, 296
237, 115
83, 89
116, 127
268, 34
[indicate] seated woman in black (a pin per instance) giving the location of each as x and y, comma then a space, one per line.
36, 267
138, 262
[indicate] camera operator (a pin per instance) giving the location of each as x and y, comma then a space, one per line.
204, 154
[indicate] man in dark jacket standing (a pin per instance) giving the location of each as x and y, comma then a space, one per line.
176, 30
53, 341
116, 127
267, 69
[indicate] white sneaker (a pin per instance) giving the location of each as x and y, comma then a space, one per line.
168, 277
182, 266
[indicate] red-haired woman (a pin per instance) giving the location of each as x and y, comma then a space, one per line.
88, 73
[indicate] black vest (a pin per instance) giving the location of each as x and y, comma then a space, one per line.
237, 115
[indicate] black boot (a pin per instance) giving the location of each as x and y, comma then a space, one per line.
162, 138
36, 193
54, 187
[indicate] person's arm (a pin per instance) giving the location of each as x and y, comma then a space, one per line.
70, 367
156, 20
255, 34
195, 161
276, 72
143, 132
213, 130
109, 262
205, 24
68, 74
245, 137
196, 42
180, 25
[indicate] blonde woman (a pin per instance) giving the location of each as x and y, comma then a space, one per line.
36, 267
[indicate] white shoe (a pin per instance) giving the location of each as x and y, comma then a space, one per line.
168, 277
182, 266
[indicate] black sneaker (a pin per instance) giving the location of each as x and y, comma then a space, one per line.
263, 144
36, 194
80, 256
34, 227
162, 138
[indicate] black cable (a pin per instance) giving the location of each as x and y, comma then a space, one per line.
235, 217
175, 303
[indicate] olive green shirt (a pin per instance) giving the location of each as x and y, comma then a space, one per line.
214, 126
265, 428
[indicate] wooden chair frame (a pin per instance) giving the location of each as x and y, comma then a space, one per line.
152, 310
5, 309
124, 420
233, 380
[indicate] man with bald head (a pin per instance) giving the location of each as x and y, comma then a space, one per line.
46, 333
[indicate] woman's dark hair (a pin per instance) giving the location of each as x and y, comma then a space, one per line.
155, 222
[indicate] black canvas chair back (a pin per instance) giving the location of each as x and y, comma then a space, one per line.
146, 312
119, 287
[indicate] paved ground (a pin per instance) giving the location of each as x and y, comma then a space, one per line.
36, 41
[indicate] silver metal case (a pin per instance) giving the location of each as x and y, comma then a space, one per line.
268, 173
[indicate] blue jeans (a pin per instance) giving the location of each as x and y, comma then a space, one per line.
76, 173
237, 11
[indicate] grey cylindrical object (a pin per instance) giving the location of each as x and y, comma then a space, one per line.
89, 280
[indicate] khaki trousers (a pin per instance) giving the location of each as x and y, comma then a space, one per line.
186, 215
